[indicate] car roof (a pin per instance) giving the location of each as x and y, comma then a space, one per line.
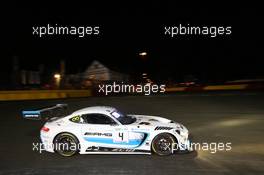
95, 109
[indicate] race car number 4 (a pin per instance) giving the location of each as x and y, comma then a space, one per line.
120, 137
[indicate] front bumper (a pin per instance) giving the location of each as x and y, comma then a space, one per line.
185, 146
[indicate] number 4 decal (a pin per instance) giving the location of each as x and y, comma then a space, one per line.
120, 137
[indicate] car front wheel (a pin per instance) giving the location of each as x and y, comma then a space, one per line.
163, 144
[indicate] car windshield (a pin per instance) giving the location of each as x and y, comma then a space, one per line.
123, 119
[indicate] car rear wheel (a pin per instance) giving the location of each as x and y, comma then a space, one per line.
163, 144
66, 144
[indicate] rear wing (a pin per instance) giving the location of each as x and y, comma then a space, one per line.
46, 113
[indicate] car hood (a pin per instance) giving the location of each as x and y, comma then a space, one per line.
154, 121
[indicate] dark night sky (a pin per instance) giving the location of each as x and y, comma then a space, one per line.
128, 30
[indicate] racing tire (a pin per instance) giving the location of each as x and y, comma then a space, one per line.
163, 144
66, 144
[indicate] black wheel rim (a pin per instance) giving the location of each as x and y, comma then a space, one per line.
163, 145
66, 145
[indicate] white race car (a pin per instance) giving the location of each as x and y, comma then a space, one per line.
105, 130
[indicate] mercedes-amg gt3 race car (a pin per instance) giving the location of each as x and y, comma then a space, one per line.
105, 130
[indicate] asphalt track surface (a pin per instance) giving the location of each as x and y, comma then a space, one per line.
211, 117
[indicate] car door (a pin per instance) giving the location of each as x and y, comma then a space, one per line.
101, 131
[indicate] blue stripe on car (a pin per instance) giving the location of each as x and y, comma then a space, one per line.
132, 142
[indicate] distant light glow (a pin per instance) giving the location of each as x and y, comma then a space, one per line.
57, 76
143, 53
